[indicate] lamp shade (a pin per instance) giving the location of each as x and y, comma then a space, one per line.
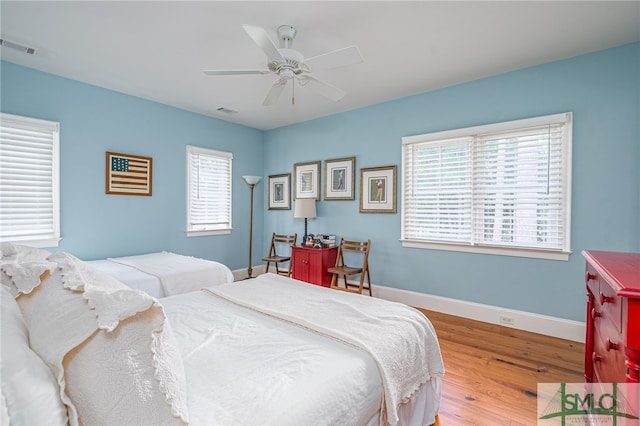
252, 180
305, 208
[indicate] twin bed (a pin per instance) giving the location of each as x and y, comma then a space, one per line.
164, 274
88, 349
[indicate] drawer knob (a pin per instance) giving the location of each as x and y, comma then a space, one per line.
595, 357
590, 277
595, 314
612, 346
605, 299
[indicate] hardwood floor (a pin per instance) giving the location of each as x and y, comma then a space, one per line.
492, 371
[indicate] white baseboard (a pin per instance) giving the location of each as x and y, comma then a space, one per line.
521, 320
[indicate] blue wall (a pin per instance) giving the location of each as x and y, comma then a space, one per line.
603, 92
94, 120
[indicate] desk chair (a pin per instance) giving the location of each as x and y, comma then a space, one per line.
341, 269
280, 240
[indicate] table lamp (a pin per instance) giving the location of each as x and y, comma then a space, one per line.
305, 208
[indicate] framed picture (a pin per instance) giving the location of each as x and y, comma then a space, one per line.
339, 179
378, 190
306, 180
279, 191
128, 174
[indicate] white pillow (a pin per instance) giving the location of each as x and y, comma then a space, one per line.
110, 347
30, 393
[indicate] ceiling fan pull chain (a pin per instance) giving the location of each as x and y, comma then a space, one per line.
293, 91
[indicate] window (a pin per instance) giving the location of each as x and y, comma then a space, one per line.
208, 191
501, 188
29, 181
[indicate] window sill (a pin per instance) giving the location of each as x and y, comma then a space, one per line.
498, 251
205, 233
38, 243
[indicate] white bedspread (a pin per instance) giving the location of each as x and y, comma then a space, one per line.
400, 339
178, 273
247, 368
130, 276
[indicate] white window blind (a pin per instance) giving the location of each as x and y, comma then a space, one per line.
208, 191
502, 188
29, 181
438, 184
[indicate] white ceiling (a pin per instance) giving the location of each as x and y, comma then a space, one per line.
158, 49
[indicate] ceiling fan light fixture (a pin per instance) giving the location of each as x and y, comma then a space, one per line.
286, 74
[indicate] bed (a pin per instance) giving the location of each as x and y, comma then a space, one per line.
270, 350
164, 274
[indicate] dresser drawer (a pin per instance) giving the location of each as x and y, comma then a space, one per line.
609, 305
608, 352
592, 280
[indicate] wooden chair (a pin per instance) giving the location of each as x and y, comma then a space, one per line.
346, 247
274, 257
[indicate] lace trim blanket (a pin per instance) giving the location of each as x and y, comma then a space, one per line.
85, 326
63, 333
24, 268
400, 339
177, 273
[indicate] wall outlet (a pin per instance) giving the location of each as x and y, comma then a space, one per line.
507, 320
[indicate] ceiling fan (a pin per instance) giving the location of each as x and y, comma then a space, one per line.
289, 64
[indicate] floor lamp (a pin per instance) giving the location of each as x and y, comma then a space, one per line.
252, 181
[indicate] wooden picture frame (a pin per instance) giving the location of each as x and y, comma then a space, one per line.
128, 174
339, 179
279, 192
306, 180
378, 189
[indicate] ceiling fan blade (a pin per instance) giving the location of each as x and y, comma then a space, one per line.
262, 39
323, 88
337, 58
275, 92
236, 72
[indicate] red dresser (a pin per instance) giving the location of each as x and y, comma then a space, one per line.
310, 264
612, 347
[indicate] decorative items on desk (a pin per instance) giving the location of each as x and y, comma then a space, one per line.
319, 241
310, 241
328, 240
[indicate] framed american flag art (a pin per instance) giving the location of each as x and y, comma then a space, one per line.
128, 174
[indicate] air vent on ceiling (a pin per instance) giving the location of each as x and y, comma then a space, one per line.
17, 46
227, 110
